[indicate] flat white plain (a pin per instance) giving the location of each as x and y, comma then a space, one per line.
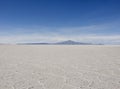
59, 67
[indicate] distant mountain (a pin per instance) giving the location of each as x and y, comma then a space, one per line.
70, 42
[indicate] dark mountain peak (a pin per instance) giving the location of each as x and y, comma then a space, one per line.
70, 42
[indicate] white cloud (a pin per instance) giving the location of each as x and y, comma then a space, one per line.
94, 33
106, 39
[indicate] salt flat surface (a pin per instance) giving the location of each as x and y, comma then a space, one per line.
59, 67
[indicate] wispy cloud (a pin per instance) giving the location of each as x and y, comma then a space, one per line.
106, 39
105, 33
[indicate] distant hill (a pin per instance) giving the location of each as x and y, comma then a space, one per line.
68, 42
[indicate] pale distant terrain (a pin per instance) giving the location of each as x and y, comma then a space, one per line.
59, 67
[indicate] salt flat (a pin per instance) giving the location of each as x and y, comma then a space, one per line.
59, 67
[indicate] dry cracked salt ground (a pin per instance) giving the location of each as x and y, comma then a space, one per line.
59, 67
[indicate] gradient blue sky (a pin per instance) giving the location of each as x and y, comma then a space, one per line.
96, 21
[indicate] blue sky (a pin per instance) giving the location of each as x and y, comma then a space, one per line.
94, 21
